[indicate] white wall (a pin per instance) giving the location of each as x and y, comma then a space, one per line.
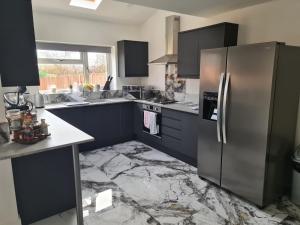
57, 28
273, 21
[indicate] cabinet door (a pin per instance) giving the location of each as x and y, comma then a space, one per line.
44, 184
188, 54
133, 59
192, 42
190, 135
136, 59
127, 121
138, 120
18, 61
103, 123
179, 133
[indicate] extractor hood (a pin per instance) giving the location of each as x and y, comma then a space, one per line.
172, 30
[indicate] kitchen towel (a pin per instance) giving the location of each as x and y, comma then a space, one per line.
153, 127
146, 119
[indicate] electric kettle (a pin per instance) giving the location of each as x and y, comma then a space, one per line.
39, 100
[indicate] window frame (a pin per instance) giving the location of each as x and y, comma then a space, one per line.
82, 49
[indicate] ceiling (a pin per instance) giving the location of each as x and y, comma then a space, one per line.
201, 8
109, 10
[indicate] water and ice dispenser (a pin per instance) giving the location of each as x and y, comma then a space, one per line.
210, 104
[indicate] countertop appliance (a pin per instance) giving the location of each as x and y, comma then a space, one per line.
39, 100
248, 111
17, 100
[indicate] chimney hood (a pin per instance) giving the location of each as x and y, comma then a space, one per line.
172, 30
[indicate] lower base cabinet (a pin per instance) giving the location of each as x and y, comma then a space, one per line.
179, 133
112, 124
109, 124
44, 184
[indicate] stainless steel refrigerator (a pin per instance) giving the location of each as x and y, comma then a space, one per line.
248, 112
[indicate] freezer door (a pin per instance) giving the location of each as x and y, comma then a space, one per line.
247, 113
212, 78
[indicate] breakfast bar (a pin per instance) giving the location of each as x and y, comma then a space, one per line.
63, 136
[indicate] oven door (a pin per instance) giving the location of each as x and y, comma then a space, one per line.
147, 123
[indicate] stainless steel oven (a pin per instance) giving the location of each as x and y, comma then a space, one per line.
157, 111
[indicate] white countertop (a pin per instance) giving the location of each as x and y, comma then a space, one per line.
62, 134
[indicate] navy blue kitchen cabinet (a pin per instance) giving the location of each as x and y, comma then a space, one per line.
109, 124
44, 184
18, 59
179, 133
133, 58
191, 42
127, 121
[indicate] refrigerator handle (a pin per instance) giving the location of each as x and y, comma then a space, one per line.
224, 116
219, 106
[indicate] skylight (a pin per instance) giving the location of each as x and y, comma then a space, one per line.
88, 4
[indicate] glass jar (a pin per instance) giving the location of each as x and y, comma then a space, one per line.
14, 117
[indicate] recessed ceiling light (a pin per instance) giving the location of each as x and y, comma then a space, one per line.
88, 4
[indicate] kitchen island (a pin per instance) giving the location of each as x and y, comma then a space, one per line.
12, 155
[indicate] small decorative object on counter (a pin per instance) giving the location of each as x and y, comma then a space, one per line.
24, 127
97, 88
44, 127
28, 119
34, 116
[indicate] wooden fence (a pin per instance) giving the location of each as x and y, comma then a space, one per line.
63, 81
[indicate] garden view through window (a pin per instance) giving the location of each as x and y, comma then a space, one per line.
60, 69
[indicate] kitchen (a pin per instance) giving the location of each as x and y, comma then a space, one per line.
127, 171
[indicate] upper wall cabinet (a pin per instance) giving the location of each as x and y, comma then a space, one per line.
191, 42
18, 61
132, 58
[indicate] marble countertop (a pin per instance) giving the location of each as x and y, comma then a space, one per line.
77, 104
174, 106
62, 134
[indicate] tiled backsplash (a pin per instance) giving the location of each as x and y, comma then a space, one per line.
172, 83
69, 97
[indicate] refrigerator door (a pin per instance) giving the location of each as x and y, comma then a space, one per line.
212, 73
247, 113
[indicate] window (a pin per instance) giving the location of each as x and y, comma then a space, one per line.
62, 65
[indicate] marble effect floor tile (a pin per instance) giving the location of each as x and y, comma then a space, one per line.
132, 183
150, 187
106, 203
